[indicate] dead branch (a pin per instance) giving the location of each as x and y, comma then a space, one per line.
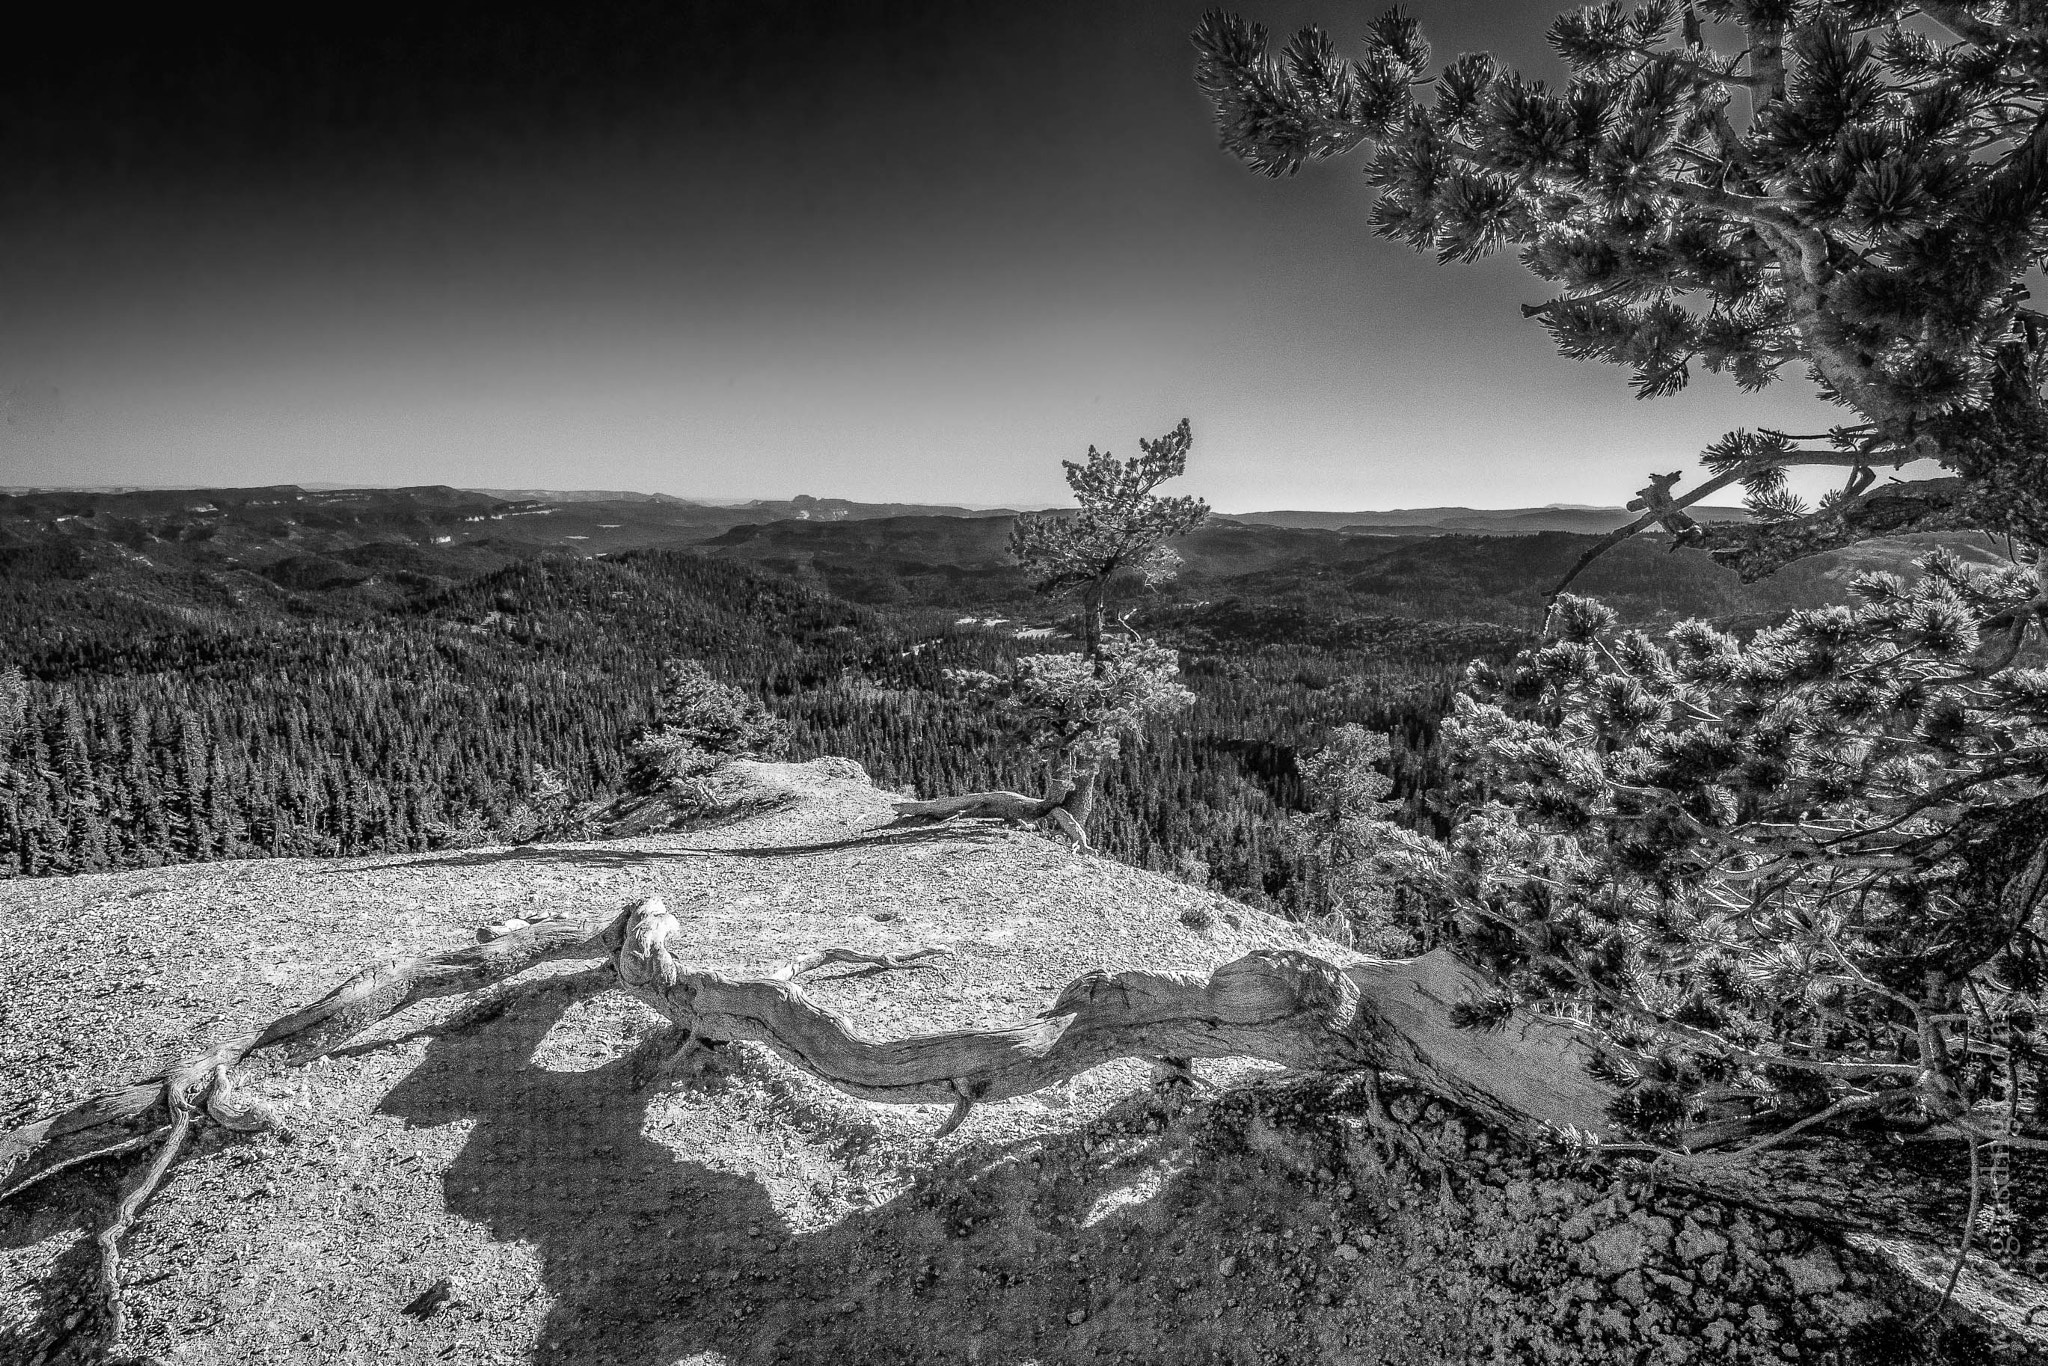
910, 958
1664, 509
1011, 808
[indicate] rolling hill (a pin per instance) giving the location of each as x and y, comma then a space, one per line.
217, 554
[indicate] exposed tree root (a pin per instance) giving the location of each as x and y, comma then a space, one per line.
161, 1110
144, 1185
143, 1112
1285, 1007
1070, 827
1530, 1076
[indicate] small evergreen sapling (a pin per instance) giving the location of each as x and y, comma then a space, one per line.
1356, 857
1078, 712
549, 810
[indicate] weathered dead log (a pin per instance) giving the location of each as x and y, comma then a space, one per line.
162, 1110
1065, 804
1530, 1076
1284, 1007
1013, 807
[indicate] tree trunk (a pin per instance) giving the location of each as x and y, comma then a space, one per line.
1080, 799
1092, 608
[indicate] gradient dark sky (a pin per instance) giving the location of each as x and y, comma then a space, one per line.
880, 251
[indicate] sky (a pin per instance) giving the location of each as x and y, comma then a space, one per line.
886, 251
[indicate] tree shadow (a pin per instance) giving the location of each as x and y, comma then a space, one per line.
580, 856
61, 1319
1059, 1248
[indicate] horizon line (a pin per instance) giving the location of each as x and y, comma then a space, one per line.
329, 486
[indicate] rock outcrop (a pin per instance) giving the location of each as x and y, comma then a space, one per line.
525, 1181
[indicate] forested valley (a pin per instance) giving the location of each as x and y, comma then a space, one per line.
354, 733
171, 718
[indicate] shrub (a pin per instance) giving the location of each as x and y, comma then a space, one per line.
699, 723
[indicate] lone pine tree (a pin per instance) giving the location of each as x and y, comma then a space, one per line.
1119, 533
1079, 710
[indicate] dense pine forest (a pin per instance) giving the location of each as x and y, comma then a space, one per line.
340, 728
256, 673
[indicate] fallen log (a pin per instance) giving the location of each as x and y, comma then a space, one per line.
1279, 1006
1529, 1075
1060, 804
1013, 807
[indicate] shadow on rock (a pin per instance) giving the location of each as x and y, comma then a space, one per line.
1104, 1245
56, 1319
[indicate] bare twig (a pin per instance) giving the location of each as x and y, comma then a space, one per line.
908, 959
1862, 1100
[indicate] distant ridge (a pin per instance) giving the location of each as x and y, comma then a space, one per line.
663, 518
1441, 521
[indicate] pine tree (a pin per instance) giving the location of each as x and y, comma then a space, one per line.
1741, 186
1799, 877
699, 723
1120, 532
1078, 711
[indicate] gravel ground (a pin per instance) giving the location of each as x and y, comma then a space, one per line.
527, 1189
109, 975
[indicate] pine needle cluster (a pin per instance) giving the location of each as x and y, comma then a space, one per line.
1775, 875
